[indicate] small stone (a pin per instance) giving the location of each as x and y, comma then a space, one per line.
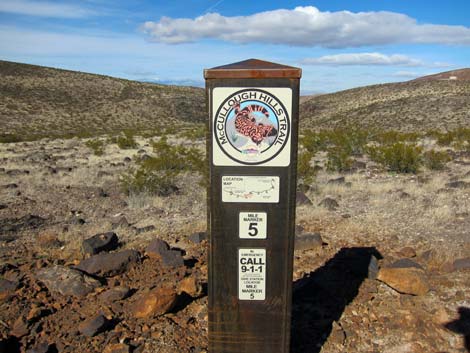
308, 241
42, 348
120, 222
117, 348
109, 265
67, 281
20, 328
172, 259
115, 294
337, 181
373, 268
7, 289
156, 248
462, 264
329, 203
2, 206
35, 313
407, 252
302, 199
127, 159
458, 184
405, 263
146, 229
198, 237
100, 242
410, 280
94, 326
155, 303
191, 286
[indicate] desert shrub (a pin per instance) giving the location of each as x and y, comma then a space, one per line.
339, 159
305, 171
157, 175
435, 160
9, 138
196, 133
349, 140
399, 157
313, 141
97, 146
391, 136
125, 141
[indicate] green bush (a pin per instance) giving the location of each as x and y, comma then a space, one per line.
195, 133
125, 141
157, 175
339, 160
435, 160
9, 138
398, 157
305, 171
390, 137
97, 146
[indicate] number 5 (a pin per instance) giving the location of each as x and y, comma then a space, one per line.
253, 230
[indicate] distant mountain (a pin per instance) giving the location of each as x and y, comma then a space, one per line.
432, 102
41, 101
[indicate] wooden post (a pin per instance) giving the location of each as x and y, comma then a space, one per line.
252, 150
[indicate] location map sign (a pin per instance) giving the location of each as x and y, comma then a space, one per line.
253, 109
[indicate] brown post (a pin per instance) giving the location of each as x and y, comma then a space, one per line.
252, 150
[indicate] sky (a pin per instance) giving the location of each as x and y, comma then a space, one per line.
339, 44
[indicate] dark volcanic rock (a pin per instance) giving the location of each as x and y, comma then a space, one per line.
94, 326
18, 224
405, 263
198, 237
16, 172
43, 348
145, 229
2, 206
462, 264
156, 248
308, 241
302, 199
10, 186
340, 180
458, 184
329, 203
115, 294
67, 281
7, 288
100, 242
108, 265
172, 259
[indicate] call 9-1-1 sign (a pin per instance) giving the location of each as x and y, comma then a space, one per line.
252, 147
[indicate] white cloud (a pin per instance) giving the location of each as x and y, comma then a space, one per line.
307, 26
44, 9
406, 74
364, 59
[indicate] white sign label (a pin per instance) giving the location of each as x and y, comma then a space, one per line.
252, 225
251, 126
251, 274
262, 189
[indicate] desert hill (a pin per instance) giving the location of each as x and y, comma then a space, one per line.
418, 105
454, 75
36, 101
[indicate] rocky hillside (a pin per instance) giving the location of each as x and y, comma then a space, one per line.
454, 75
429, 103
40, 101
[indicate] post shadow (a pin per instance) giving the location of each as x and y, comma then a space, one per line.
462, 325
321, 296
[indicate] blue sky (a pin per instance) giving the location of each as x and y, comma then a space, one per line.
338, 44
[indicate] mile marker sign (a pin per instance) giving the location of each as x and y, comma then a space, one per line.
252, 147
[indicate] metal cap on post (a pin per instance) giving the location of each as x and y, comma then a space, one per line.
252, 148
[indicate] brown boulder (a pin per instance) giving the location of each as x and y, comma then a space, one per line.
117, 348
405, 280
155, 303
191, 286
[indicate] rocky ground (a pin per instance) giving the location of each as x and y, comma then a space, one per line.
382, 261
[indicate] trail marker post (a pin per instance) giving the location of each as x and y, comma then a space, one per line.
252, 150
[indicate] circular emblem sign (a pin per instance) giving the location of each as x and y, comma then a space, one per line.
251, 126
